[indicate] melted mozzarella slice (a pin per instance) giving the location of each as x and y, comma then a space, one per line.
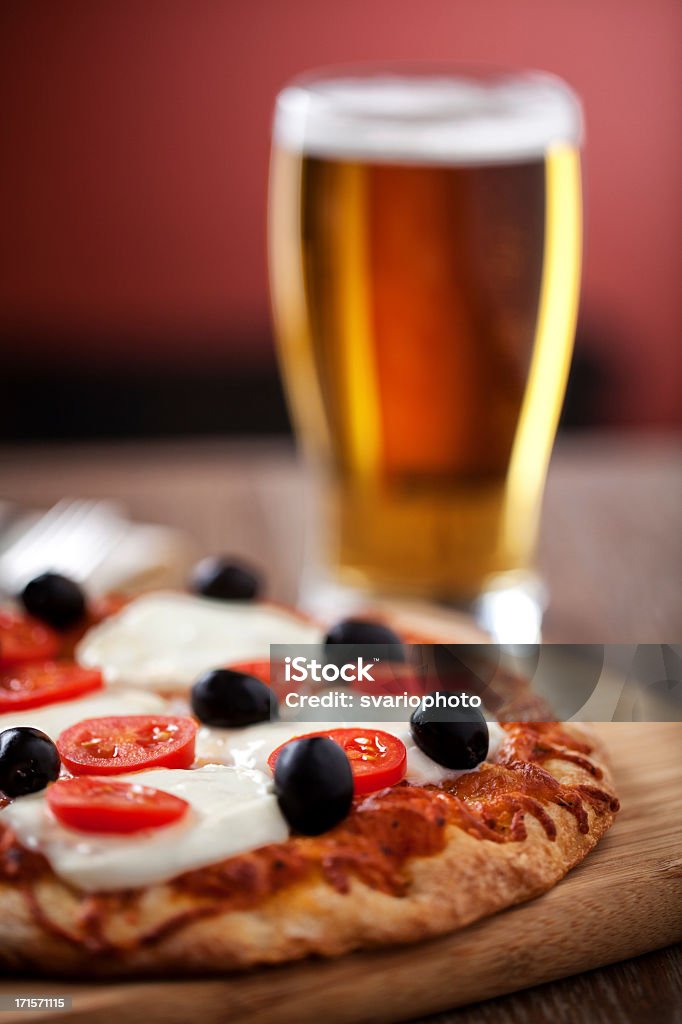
232, 810
164, 641
54, 718
250, 747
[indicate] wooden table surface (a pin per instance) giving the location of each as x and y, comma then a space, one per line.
610, 551
611, 539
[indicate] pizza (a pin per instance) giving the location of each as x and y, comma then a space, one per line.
159, 817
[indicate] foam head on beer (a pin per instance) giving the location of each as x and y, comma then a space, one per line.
439, 119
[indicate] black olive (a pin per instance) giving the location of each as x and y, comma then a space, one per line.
28, 761
225, 580
230, 700
455, 737
372, 638
54, 599
314, 784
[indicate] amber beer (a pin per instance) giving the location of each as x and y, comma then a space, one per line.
425, 252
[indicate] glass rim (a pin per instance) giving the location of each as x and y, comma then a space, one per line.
368, 69
421, 111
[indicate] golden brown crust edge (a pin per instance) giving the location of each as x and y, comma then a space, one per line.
469, 879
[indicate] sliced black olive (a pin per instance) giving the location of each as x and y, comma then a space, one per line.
371, 639
231, 700
455, 737
314, 784
226, 580
28, 761
54, 599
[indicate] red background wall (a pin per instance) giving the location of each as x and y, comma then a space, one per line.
134, 165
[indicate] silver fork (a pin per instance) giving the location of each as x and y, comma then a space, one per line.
73, 537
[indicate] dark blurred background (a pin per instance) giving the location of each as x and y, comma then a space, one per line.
135, 136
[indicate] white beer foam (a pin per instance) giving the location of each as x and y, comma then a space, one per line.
439, 119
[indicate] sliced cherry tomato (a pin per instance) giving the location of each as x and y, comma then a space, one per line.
23, 639
260, 668
45, 682
270, 673
97, 805
377, 758
127, 743
395, 678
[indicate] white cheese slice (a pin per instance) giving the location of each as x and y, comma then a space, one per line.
250, 747
164, 641
232, 810
54, 718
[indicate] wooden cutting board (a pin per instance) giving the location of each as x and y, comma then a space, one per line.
625, 899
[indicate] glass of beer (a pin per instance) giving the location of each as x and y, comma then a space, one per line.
425, 245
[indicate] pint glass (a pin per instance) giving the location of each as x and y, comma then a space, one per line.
425, 243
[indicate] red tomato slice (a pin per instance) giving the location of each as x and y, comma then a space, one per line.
259, 668
23, 639
377, 758
97, 805
45, 682
127, 743
395, 678
270, 674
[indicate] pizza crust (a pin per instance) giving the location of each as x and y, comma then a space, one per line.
162, 930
